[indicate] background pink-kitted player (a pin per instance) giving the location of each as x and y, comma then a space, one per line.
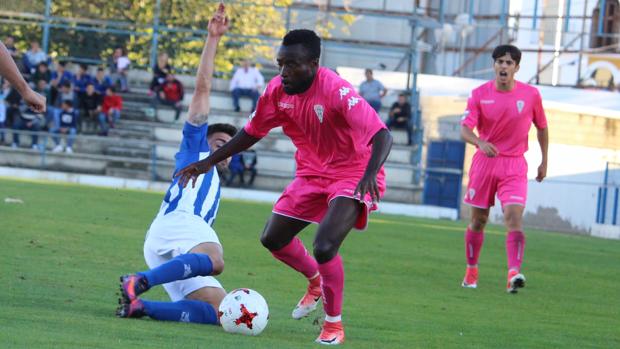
502, 111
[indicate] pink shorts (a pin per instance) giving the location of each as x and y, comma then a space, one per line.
506, 176
308, 198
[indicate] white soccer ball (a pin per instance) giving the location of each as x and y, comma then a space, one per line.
244, 311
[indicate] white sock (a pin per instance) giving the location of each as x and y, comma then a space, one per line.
333, 318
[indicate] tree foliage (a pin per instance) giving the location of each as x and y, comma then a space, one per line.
256, 27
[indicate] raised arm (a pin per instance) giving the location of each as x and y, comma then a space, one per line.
9, 70
200, 105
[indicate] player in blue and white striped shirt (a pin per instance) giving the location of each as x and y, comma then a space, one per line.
181, 248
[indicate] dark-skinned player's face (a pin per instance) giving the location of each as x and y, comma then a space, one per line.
216, 141
296, 68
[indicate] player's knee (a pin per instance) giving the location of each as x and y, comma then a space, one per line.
513, 222
478, 223
324, 251
271, 242
218, 265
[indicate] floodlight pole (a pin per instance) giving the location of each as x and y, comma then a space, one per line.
415, 101
46, 26
155, 38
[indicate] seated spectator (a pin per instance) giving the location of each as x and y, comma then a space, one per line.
236, 168
61, 76
247, 81
9, 43
119, 66
4, 91
160, 70
400, 116
90, 105
101, 82
67, 126
171, 94
110, 110
27, 121
64, 94
33, 57
80, 81
372, 91
249, 163
13, 102
50, 94
42, 73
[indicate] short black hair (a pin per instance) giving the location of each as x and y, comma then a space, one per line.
68, 102
306, 38
226, 128
501, 50
111, 88
100, 69
66, 84
84, 66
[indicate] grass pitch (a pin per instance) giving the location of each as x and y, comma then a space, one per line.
64, 247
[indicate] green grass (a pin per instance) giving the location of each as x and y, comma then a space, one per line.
63, 249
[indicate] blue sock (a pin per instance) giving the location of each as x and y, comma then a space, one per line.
182, 311
182, 267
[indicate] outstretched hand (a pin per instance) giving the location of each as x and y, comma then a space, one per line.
192, 171
218, 25
368, 185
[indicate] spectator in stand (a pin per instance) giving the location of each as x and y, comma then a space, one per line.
171, 94
50, 94
64, 94
90, 105
9, 43
236, 169
28, 121
400, 117
110, 110
80, 81
160, 70
42, 73
13, 102
4, 92
33, 57
119, 66
372, 91
101, 82
67, 126
249, 163
247, 81
61, 76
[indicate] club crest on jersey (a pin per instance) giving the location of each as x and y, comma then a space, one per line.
344, 91
318, 109
520, 105
352, 102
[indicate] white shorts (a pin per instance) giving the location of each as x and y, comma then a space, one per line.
174, 234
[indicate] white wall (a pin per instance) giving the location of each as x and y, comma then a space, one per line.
571, 187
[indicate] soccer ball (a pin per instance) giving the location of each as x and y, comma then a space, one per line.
244, 311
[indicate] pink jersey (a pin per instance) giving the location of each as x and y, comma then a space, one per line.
330, 124
504, 118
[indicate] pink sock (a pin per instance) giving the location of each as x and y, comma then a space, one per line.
473, 245
296, 256
515, 245
332, 283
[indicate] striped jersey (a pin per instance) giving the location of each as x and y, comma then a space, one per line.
204, 199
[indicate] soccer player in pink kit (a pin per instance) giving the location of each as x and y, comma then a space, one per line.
341, 147
502, 110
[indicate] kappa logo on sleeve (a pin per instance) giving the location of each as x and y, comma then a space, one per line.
352, 101
252, 115
344, 91
465, 114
